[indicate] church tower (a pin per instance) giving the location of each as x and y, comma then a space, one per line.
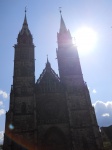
20, 117
67, 55
83, 124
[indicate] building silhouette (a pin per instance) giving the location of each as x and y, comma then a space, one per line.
55, 113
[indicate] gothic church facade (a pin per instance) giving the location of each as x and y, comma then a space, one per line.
55, 113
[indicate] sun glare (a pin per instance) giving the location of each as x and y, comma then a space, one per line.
85, 39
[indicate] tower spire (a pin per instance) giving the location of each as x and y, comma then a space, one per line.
64, 36
25, 19
48, 63
47, 59
25, 28
62, 23
24, 35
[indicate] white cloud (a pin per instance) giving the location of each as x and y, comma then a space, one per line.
107, 104
4, 94
94, 91
2, 112
103, 112
106, 115
1, 136
1, 103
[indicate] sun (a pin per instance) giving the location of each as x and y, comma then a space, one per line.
85, 39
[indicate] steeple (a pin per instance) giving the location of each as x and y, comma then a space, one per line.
64, 36
24, 36
48, 65
62, 25
67, 55
25, 28
25, 19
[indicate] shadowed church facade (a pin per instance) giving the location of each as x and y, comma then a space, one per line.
55, 113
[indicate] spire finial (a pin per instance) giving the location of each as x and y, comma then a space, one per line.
60, 10
48, 63
25, 19
25, 9
62, 23
47, 58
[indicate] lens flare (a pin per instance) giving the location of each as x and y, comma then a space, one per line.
11, 127
85, 39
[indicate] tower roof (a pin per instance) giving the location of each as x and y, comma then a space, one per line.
25, 36
25, 28
62, 25
25, 20
64, 36
48, 65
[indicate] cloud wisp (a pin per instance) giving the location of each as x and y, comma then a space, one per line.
1, 103
94, 91
103, 112
2, 112
4, 94
1, 137
106, 115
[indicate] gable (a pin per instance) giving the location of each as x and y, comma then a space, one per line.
48, 81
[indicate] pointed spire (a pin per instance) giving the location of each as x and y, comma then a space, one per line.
25, 19
48, 65
64, 36
25, 28
25, 36
47, 59
62, 24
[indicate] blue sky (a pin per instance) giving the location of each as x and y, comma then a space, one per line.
43, 20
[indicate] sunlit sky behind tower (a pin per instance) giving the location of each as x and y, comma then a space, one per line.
88, 20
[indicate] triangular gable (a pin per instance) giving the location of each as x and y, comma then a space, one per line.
48, 73
48, 81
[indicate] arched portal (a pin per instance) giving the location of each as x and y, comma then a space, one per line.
55, 139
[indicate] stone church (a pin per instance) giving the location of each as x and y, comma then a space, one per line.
55, 112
